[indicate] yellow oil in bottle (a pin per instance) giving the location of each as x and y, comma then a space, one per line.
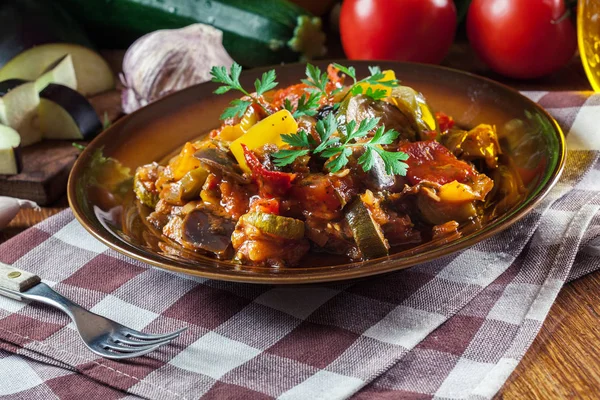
588, 36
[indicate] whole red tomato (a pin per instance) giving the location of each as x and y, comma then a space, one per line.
521, 38
403, 30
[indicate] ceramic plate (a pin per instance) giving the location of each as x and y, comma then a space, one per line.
528, 135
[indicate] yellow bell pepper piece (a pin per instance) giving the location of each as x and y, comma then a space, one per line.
249, 119
388, 75
184, 162
266, 131
230, 133
456, 192
427, 115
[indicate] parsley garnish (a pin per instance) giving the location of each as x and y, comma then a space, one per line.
338, 148
231, 81
376, 78
317, 80
306, 105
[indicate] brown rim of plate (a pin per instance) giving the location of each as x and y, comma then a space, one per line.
316, 274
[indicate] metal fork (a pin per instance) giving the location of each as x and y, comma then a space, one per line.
101, 335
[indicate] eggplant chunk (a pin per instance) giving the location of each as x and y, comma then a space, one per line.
367, 233
10, 154
360, 107
61, 72
206, 231
92, 72
66, 114
20, 109
217, 160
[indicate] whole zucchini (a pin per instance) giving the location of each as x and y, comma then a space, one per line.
254, 32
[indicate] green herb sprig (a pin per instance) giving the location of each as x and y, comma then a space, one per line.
376, 78
338, 148
231, 81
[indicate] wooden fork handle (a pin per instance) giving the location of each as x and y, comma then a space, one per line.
16, 280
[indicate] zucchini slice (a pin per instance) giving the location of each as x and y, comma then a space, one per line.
367, 233
20, 109
276, 225
10, 151
66, 114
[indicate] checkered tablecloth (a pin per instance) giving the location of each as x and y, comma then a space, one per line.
453, 328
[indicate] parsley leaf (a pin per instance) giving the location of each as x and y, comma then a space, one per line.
286, 157
316, 78
325, 128
376, 78
238, 107
266, 83
231, 81
382, 137
363, 129
307, 106
393, 161
340, 161
300, 139
350, 71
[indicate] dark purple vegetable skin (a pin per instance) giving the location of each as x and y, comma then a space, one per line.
77, 106
28, 23
9, 84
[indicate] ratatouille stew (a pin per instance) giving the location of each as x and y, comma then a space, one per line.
332, 164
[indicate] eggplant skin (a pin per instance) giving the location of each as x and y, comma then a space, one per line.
9, 84
76, 106
28, 23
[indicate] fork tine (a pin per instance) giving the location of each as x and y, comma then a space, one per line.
120, 356
124, 349
119, 337
149, 336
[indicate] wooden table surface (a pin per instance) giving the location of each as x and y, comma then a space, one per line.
564, 360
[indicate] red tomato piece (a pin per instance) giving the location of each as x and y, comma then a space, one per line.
444, 121
270, 183
431, 161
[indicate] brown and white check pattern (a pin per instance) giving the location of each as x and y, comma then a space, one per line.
450, 329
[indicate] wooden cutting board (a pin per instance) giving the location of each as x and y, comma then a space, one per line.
46, 165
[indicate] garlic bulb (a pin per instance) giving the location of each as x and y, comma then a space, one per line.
165, 61
9, 207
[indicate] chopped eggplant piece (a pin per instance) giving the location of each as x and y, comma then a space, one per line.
368, 234
10, 151
360, 107
283, 227
66, 114
217, 159
21, 101
61, 72
91, 70
208, 232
